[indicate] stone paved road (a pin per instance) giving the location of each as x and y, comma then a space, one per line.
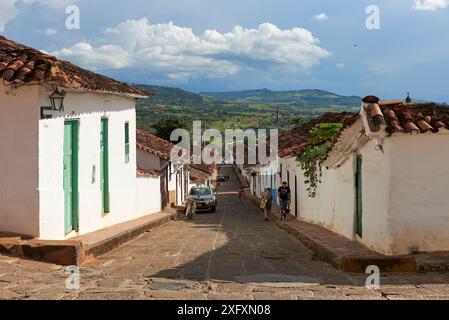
231, 254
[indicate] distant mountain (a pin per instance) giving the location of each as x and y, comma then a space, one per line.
262, 108
238, 95
300, 98
176, 97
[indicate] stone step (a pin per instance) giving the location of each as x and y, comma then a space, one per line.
84, 248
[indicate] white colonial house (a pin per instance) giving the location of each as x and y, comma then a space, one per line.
153, 160
68, 148
384, 182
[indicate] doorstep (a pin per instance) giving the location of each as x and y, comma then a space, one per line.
84, 248
341, 252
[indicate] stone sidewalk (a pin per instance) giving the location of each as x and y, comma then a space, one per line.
81, 249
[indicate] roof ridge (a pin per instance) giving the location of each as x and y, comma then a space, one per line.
21, 64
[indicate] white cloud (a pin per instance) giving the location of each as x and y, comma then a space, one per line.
430, 5
179, 53
340, 65
48, 32
320, 17
8, 10
55, 4
103, 57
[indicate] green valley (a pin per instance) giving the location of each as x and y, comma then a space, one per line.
242, 109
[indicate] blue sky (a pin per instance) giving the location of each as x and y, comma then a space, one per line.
197, 44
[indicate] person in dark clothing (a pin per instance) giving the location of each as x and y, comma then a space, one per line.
284, 194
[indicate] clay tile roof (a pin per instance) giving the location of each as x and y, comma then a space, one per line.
197, 175
414, 118
149, 173
156, 146
203, 167
292, 143
20, 64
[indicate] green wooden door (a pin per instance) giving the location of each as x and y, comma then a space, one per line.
71, 176
358, 197
104, 166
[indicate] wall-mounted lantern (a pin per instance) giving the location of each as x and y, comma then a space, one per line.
57, 99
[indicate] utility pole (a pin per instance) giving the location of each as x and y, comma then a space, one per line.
277, 116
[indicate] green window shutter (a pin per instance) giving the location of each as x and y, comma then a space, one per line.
126, 142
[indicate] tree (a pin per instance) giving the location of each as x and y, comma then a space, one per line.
299, 121
166, 126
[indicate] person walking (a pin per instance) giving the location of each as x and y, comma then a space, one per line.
268, 197
240, 192
284, 194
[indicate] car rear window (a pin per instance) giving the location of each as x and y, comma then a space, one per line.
200, 192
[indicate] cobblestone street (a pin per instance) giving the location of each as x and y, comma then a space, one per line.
230, 254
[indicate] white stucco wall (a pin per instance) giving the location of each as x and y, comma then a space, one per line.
181, 193
171, 178
89, 108
419, 192
404, 194
148, 195
19, 198
376, 175
146, 160
333, 207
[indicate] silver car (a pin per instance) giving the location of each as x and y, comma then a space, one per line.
205, 198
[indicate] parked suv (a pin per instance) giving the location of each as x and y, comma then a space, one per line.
205, 198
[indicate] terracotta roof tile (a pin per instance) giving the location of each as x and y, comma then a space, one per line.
20, 64
292, 143
149, 173
409, 118
156, 146
197, 175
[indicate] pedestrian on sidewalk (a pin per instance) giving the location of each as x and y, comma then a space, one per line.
240, 192
284, 194
268, 199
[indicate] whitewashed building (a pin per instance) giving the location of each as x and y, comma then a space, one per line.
384, 182
68, 147
153, 161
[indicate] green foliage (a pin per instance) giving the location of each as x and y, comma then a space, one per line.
323, 136
165, 127
325, 132
299, 121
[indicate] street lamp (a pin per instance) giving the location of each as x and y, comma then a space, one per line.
57, 99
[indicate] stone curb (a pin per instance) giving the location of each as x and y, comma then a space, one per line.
68, 252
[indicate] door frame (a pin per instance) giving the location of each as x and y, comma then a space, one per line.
74, 226
104, 167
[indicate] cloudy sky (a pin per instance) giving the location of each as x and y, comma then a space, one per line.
203, 45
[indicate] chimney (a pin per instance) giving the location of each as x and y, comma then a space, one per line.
372, 117
408, 100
